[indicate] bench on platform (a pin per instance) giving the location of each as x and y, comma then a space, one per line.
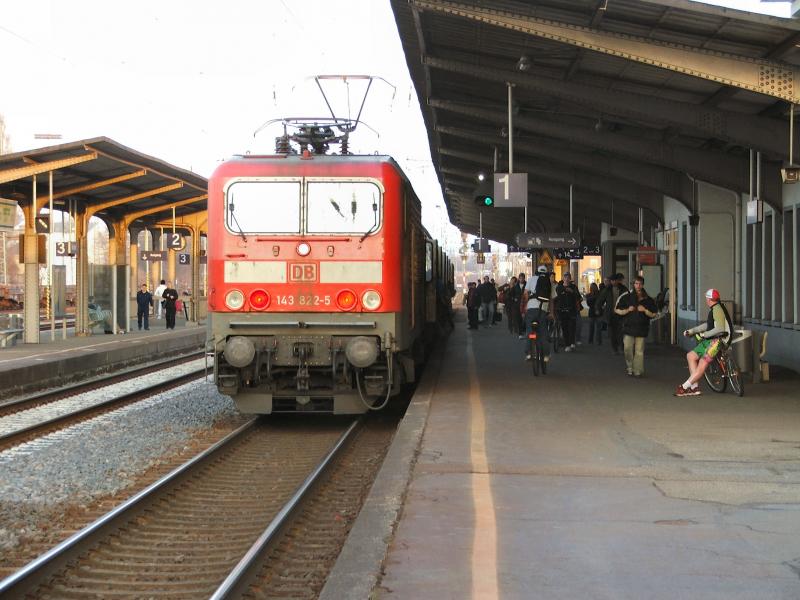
8, 337
100, 317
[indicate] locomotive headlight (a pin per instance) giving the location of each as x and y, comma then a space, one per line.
371, 300
239, 351
361, 351
234, 299
303, 248
259, 299
346, 300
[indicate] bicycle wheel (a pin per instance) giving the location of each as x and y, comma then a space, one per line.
715, 376
734, 375
540, 356
534, 347
555, 333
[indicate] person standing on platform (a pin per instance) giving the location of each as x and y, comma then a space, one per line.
605, 305
144, 300
170, 306
159, 297
521, 283
473, 303
594, 325
567, 306
513, 296
636, 309
488, 294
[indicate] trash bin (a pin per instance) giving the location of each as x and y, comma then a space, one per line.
659, 325
742, 349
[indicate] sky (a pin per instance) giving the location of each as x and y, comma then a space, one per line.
190, 81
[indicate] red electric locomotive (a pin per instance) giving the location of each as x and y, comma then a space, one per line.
322, 281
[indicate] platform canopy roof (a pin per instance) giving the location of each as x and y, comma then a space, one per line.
628, 100
104, 177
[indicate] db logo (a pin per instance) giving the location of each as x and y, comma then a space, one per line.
302, 272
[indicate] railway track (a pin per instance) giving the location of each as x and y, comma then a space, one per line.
57, 410
247, 496
38, 399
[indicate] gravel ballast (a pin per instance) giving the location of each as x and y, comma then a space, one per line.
99, 457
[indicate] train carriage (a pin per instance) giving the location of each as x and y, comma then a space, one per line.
320, 279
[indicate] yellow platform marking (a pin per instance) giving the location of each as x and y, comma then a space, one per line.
484, 540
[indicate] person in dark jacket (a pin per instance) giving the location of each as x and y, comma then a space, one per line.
512, 297
488, 294
636, 309
521, 282
595, 329
567, 303
473, 303
144, 300
170, 296
604, 307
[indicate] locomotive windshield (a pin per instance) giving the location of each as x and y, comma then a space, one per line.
343, 207
300, 207
263, 207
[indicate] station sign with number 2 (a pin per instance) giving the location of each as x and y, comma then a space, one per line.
174, 241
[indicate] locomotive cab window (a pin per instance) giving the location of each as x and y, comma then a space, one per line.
263, 207
352, 207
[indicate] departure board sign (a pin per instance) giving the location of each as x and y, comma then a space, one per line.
548, 240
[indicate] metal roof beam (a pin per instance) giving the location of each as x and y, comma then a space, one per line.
130, 218
760, 133
666, 181
599, 11
726, 13
714, 167
635, 194
598, 207
138, 166
95, 208
92, 186
769, 77
39, 168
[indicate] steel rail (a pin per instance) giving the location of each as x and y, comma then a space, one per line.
241, 575
43, 396
35, 572
8, 438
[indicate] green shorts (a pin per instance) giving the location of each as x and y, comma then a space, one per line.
708, 349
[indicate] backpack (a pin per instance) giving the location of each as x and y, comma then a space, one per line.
730, 322
543, 287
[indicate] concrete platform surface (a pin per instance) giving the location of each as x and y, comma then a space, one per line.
26, 368
581, 484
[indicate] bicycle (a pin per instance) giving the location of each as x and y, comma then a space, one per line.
537, 352
723, 370
554, 333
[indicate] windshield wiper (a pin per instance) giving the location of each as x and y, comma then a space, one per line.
375, 224
336, 207
239, 227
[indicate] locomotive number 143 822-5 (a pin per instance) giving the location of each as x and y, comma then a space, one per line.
303, 300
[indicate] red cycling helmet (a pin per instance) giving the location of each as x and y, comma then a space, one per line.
712, 294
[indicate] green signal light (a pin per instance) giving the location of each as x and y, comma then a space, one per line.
488, 201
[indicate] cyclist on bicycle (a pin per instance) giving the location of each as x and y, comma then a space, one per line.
538, 309
715, 332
